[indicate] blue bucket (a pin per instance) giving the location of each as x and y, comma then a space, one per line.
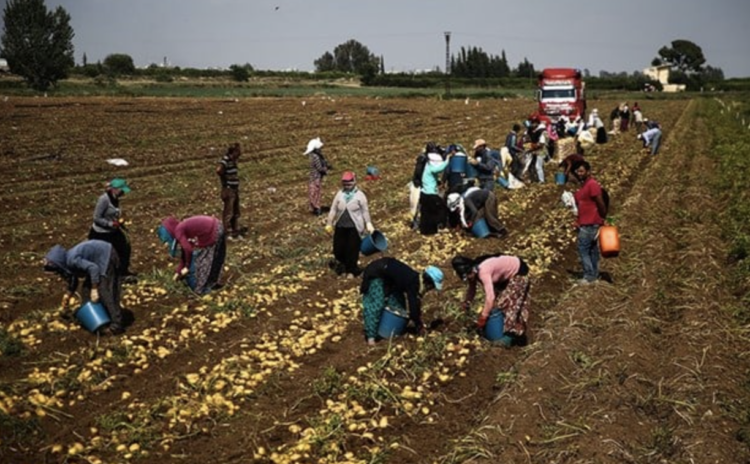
471, 171
373, 243
458, 164
372, 171
503, 182
494, 330
392, 323
480, 229
92, 316
560, 178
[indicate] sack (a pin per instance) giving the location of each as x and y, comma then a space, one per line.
419, 166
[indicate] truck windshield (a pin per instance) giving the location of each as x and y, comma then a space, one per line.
558, 93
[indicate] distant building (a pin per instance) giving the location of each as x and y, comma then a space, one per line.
661, 74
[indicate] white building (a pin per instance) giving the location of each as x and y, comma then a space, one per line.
661, 74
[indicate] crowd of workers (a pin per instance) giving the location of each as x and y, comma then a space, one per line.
450, 190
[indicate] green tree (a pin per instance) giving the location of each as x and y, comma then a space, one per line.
684, 56
241, 73
525, 69
37, 43
351, 57
119, 64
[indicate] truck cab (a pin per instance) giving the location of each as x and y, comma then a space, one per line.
561, 92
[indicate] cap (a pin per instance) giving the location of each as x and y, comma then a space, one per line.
348, 176
120, 184
436, 275
479, 143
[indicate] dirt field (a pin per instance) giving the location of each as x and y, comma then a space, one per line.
273, 368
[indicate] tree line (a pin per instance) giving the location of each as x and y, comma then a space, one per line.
38, 45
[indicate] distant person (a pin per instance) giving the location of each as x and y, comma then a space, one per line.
592, 210
202, 248
96, 262
651, 139
455, 178
109, 224
596, 122
230, 190
319, 168
348, 221
624, 117
388, 282
485, 164
476, 204
506, 284
637, 117
432, 210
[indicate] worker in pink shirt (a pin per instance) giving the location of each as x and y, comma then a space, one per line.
506, 284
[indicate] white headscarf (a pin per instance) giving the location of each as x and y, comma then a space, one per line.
434, 158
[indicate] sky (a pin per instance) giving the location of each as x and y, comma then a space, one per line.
609, 35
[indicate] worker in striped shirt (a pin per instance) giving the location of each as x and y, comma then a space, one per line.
230, 191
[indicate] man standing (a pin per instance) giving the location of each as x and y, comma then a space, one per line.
230, 191
592, 210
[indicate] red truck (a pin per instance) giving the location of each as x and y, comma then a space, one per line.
561, 92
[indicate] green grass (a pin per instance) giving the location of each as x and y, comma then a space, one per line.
10, 345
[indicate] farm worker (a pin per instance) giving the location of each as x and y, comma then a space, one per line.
319, 168
651, 138
614, 116
476, 204
624, 117
432, 211
97, 262
230, 190
484, 164
596, 122
567, 164
203, 243
512, 141
506, 284
637, 117
415, 186
592, 210
388, 282
514, 144
109, 224
537, 135
348, 221
454, 178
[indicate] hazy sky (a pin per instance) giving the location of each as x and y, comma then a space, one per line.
609, 35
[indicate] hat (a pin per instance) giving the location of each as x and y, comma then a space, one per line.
313, 144
479, 143
454, 199
436, 275
120, 184
348, 176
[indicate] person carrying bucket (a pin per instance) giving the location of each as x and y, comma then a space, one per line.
388, 282
203, 245
348, 221
109, 226
592, 211
474, 205
455, 174
506, 284
97, 262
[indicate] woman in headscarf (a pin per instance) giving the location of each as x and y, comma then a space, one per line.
432, 210
319, 168
97, 263
388, 282
506, 284
348, 221
476, 204
109, 225
203, 249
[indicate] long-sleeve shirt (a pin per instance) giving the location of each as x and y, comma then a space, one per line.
318, 166
106, 212
397, 278
195, 232
649, 135
492, 272
485, 165
89, 258
357, 207
431, 175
